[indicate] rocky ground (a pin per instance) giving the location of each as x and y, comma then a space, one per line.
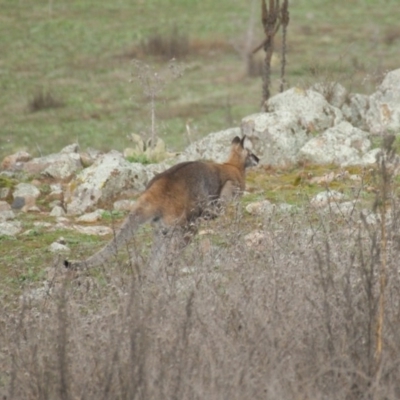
323, 138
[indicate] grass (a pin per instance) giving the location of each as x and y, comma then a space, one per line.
80, 51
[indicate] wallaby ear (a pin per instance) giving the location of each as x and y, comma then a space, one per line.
242, 141
236, 140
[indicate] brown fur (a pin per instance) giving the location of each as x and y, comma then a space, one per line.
180, 195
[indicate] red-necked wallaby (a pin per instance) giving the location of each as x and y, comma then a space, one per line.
180, 195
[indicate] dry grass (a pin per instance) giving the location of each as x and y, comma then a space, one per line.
290, 316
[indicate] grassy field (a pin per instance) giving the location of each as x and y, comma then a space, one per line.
66, 72
289, 312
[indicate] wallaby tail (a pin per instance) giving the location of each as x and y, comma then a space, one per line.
136, 217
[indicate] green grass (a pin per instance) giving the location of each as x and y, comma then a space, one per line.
80, 53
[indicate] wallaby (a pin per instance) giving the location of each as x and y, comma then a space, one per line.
179, 196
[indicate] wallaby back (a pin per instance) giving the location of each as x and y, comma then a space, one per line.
180, 195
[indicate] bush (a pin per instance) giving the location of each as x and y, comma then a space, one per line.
166, 46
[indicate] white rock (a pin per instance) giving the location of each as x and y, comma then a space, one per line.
277, 137
311, 108
57, 211
383, 114
106, 178
6, 215
324, 198
26, 190
292, 118
91, 217
61, 165
56, 247
370, 157
10, 228
215, 147
343, 145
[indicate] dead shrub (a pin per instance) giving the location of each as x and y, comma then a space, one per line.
166, 46
44, 100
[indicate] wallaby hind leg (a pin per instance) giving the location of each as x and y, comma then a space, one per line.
166, 248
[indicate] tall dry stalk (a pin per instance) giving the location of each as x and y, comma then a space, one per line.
153, 83
385, 160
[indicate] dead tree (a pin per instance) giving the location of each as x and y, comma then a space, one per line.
272, 17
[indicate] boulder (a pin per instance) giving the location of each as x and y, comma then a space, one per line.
109, 176
292, 118
215, 147
277, 136
383, 114
313, 111
342, 144
60, 166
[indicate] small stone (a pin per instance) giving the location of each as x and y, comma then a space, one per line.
59, 248
6, 215
18, 203
324, 198
26, 190
10, 228
91, 217
15, 161
57, 211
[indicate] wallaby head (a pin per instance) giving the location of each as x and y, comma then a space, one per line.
240, 157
